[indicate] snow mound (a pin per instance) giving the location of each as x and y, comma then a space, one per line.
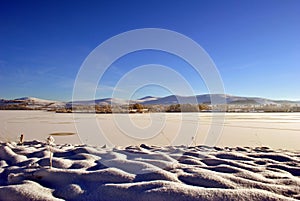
81, 172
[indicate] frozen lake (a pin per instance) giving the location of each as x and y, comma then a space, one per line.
276, 130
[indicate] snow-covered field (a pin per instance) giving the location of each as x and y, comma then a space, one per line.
147, 173
275, 130
150, 156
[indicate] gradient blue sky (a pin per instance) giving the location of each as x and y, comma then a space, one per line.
255, 44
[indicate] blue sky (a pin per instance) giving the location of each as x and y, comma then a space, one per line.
254, 44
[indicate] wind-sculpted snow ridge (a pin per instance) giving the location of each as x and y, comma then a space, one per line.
82, 172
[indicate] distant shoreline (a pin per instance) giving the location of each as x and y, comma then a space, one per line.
90, 112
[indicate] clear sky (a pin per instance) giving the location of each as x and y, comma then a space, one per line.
255, 44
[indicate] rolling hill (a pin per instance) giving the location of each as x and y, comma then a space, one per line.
36, 103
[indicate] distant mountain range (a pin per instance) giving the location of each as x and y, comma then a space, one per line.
175, 99
36, 103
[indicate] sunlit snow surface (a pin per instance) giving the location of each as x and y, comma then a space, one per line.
276, 130
142, 168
